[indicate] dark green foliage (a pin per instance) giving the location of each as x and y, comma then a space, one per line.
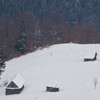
74, 11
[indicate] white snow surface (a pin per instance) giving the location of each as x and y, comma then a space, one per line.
63, 64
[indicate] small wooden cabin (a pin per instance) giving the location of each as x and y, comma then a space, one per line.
52, 88
15, 86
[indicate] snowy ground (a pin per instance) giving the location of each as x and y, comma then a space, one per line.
61, 64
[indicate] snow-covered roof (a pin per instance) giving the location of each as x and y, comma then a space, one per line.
18, 80
53, 84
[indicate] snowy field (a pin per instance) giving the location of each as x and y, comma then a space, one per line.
63, 64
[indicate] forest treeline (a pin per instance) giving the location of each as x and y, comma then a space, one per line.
28, 25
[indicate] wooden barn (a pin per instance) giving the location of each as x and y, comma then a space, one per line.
15, 86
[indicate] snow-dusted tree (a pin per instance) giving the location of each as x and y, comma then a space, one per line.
37, 39
20, 44
53, 34
2, 62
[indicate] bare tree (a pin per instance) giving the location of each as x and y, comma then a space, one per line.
95, 82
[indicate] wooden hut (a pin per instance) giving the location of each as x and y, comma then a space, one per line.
91, 59
52, 88
15, 86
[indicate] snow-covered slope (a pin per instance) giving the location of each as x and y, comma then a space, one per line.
61, 64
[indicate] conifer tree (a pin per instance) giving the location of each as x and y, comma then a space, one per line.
2, 62
20, 44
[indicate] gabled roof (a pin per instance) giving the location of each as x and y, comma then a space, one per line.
18, 81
